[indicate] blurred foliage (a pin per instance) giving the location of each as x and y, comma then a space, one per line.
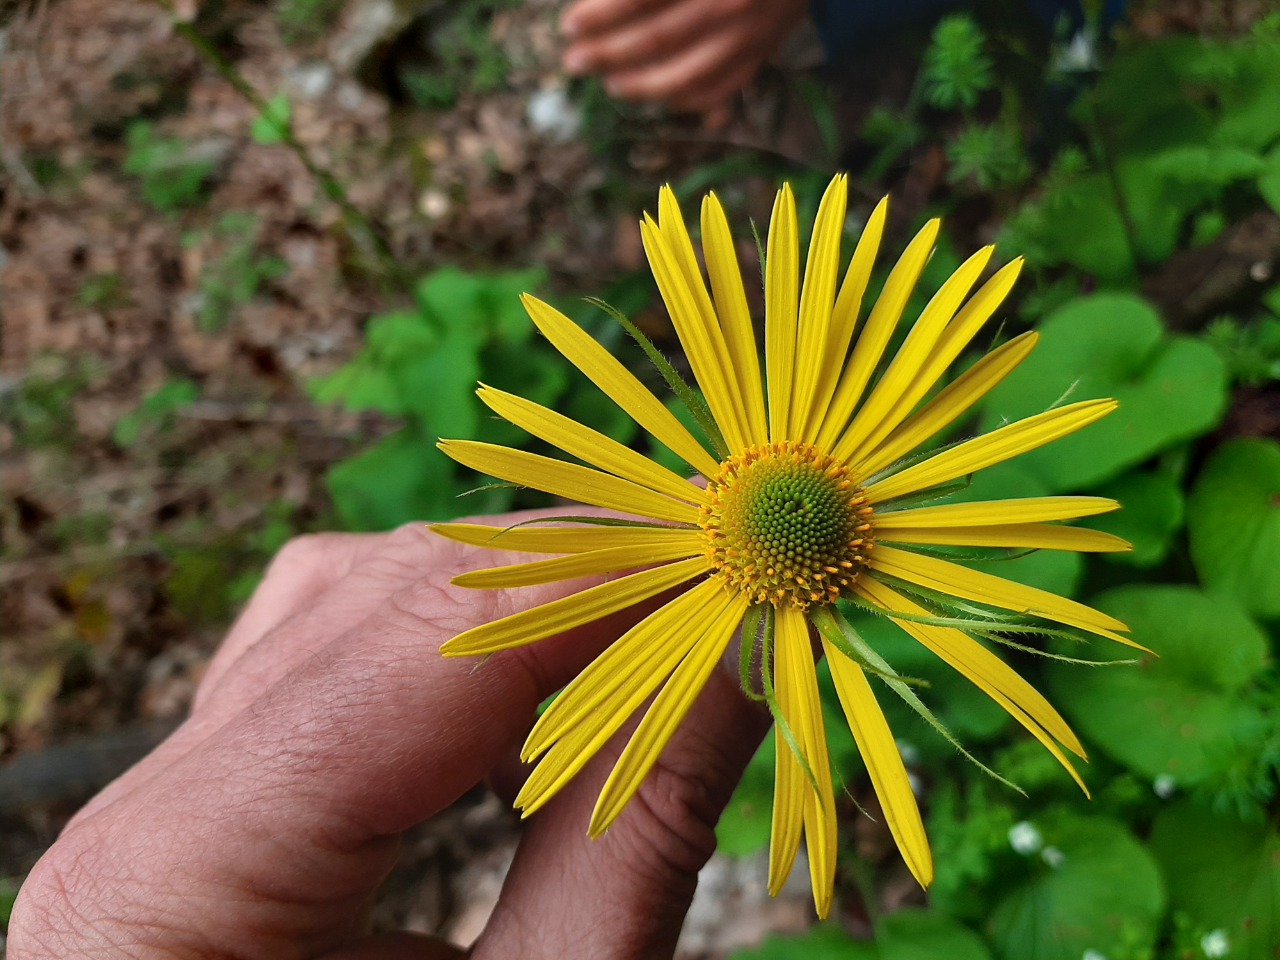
421, 366
173, 174
233, 271
155, 412
306, 21
461, 56
1177, 856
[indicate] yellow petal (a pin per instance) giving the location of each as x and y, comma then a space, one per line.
619, 384
884, 763
950, 404
790, 790
901, 387
877, 333
997, 512
555, 617
632, 666
568, 480
844, 316
991, 448
699, 332
817, 299
801, 707
1025, 536
735, 315
951, 343
589, 445
976, 313
599, 700
957, 581
593, 563
669, 708
562, 763
549, 539
982, 667
781, 303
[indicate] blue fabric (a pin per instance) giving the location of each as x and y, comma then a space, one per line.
846, 26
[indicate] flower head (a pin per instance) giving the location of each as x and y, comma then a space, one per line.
813, 493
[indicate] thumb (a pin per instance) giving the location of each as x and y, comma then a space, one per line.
625, 895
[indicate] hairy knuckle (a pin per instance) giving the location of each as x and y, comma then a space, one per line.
674, 821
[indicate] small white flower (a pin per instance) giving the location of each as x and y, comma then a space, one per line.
551, 113
1093, 955
1080, 55
908, 751
1164, 786
1054, 858
1215, 943
916, 784
1025, 838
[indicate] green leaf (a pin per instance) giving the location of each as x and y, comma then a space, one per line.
1105, 895
1077, 223
957, 68
914, 934
1180, 714
1151, 513
823, 941
1169, 389
156, 411
479, 305
272, 125
745, 824
362, 384
400, 479
438, 388
910, 934
1269, 180
1223, 874
1234, 524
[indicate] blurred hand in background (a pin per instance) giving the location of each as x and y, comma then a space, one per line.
693, 55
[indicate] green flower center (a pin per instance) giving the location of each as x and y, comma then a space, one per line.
787, 524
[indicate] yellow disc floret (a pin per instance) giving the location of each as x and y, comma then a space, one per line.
787, 523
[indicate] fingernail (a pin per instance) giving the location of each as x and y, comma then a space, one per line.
570, 24
575, 61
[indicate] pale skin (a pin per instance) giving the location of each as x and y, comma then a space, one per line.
693, 55
327, 725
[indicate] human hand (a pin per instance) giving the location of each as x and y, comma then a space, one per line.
325, 726
692, 54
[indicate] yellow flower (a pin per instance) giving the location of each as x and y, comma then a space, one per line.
812, 495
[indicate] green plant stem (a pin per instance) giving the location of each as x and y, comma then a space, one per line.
359, 225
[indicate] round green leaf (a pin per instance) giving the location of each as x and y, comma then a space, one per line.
1234, 524
1177, 714
1111, 345
823, 941
1152, 511
909, 934
924, 935
1223, 874
1104, 893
